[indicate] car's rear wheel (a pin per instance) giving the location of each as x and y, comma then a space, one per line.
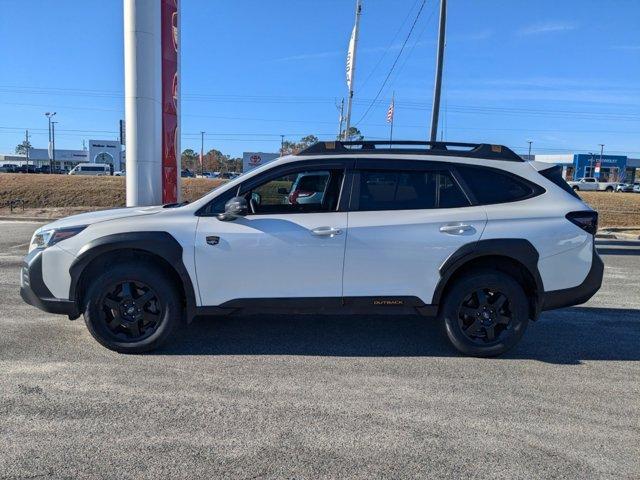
132, 308
485, 313
576, 188
609, 189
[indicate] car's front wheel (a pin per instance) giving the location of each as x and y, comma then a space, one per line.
485, 313
132, 308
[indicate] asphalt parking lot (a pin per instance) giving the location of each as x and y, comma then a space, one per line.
314, 397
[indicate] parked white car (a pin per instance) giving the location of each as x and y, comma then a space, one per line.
468, 233
592, 184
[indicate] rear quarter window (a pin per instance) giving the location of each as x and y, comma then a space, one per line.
554, 175
490, 186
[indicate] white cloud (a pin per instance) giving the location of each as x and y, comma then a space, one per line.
547, 27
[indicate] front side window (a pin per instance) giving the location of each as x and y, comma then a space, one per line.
407, 190
490, 186
305, 191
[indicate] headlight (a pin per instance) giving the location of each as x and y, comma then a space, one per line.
46, 238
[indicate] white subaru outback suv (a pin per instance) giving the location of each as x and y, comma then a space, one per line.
468, 233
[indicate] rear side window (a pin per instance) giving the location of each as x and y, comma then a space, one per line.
489, 185
407, 190
554, 175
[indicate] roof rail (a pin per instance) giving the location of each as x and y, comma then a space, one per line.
472, 150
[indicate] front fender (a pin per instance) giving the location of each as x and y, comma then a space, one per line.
161, 244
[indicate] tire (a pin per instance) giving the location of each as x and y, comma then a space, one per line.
576, 188
132, 308
609, 189
470, 321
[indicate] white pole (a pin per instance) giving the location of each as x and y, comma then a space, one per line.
142, 86
353, 68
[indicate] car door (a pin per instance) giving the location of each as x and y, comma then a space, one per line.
286, 247
589, 184
405, 219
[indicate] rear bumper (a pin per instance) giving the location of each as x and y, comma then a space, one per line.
34, 291
579, 294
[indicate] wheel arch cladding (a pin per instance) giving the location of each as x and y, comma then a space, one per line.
160, 247
514, 256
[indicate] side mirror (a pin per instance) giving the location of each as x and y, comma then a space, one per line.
234, 208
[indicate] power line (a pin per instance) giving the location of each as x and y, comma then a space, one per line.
394, 62
384, 54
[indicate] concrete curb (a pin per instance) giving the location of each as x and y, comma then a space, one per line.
613, 234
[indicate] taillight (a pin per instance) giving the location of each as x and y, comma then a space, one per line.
588, 221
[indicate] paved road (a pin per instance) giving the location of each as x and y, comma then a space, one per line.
267, 397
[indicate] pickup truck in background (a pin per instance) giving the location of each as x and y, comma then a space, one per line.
592, 184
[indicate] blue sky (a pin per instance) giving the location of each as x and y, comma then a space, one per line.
564, 74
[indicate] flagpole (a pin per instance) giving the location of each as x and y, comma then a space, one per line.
351, 65
393, 114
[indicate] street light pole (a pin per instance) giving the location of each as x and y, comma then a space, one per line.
529, 142
49, 115
53, 145
201, 153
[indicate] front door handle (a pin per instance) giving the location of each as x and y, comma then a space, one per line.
458, 229
326, 231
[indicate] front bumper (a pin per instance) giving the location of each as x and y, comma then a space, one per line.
568, 297
34, 291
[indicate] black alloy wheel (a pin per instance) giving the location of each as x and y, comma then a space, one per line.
133, 307
484, 315
131, 310
485, 312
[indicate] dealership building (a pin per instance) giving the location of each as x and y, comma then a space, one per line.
99, 151
608, 168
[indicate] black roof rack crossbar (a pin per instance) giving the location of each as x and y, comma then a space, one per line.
458, 149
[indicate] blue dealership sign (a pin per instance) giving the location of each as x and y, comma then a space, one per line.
583, 161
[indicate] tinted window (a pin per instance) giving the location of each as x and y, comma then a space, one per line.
408, 190
493, 186
554, 174
299, 192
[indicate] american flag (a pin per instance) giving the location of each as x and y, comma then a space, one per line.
390, 111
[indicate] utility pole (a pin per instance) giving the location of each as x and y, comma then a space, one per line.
201, 153
281, 145
26, 144
53, 145
351, 66
529, 142
601, 150
439, 64
590, 166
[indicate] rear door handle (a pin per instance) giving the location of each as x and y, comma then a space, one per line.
326, 231
458, 229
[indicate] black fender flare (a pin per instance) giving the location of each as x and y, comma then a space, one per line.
518, 249
159, 243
